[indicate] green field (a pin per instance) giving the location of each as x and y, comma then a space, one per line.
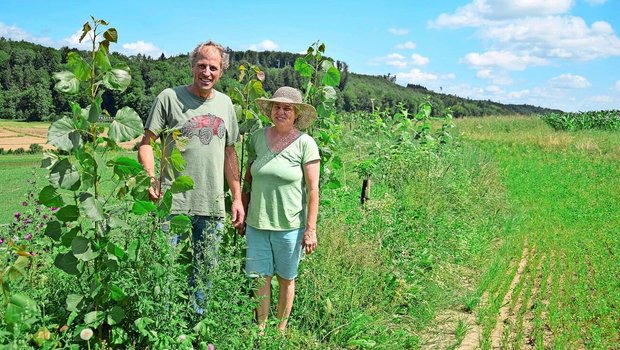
509, 239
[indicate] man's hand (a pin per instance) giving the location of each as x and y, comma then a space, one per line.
238, 214
155, 190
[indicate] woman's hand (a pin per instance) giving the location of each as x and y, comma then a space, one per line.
309, 242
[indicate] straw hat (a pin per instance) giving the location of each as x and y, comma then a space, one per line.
305, 114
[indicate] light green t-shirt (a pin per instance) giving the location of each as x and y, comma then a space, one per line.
278, 197
210, 125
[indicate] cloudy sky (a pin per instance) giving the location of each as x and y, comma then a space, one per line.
561, 54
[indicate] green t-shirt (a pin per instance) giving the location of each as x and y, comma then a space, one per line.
210, 125
278, 197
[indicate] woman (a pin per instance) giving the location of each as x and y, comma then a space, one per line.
282, 187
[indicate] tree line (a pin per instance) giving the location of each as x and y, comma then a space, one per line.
27, 84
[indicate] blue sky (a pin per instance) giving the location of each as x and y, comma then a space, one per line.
561, 54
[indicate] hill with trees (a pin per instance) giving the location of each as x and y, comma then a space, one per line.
27, 84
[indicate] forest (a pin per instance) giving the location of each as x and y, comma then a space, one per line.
27, 85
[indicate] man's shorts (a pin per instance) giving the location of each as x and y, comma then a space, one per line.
272, 252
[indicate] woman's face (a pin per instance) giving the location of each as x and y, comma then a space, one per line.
283, 115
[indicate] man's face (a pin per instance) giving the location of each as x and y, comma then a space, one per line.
207, 71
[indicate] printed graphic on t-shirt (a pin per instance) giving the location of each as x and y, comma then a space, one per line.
204, 127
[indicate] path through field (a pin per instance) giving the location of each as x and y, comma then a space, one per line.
12, 137
555, 282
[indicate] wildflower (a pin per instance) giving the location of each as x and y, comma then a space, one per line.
54, 209
18, 215
1, 240
28, 221
45, 216
63, 328
182, 338
86, 333
25, 204
28, 236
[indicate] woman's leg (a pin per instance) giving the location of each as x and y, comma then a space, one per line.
264, 298
285, 301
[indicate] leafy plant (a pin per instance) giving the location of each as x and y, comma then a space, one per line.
321, 77
99, 198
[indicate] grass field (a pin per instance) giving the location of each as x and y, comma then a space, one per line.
511, 243
555, 281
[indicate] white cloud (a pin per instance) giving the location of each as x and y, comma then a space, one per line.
416, 76
140, 47
569, 81
74, 41
409, 45
602, 99
17, 34
399, 31
494, 89
400, 61
566, 37
265, 45
494, 77
419, 60
481, 12
503, 59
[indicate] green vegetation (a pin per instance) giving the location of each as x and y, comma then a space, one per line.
604, 120
554, 282
26, 84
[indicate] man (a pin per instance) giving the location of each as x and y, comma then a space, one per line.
207, 118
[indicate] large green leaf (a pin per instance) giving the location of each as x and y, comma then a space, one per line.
53, 230
303, 68
94, 318
331, 77
68, 213
116, 293
117, 79
115, 315
329, 94
20, 309
77, 65
143, 207
89, 168
181, 184
94, 112
68, 263
125, 167
111, 35
67, 83
177, 160
64, 134
102, 62
163, 210
126, 126
90, 206
64, 175
180, 224
49, 197
82, 249
73, 302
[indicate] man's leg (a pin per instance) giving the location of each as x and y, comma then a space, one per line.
206, 238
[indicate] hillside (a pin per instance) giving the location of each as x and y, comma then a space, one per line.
26, 84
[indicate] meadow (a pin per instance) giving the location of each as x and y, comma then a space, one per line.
507, 238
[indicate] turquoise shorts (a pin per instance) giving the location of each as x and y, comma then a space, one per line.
272, 252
